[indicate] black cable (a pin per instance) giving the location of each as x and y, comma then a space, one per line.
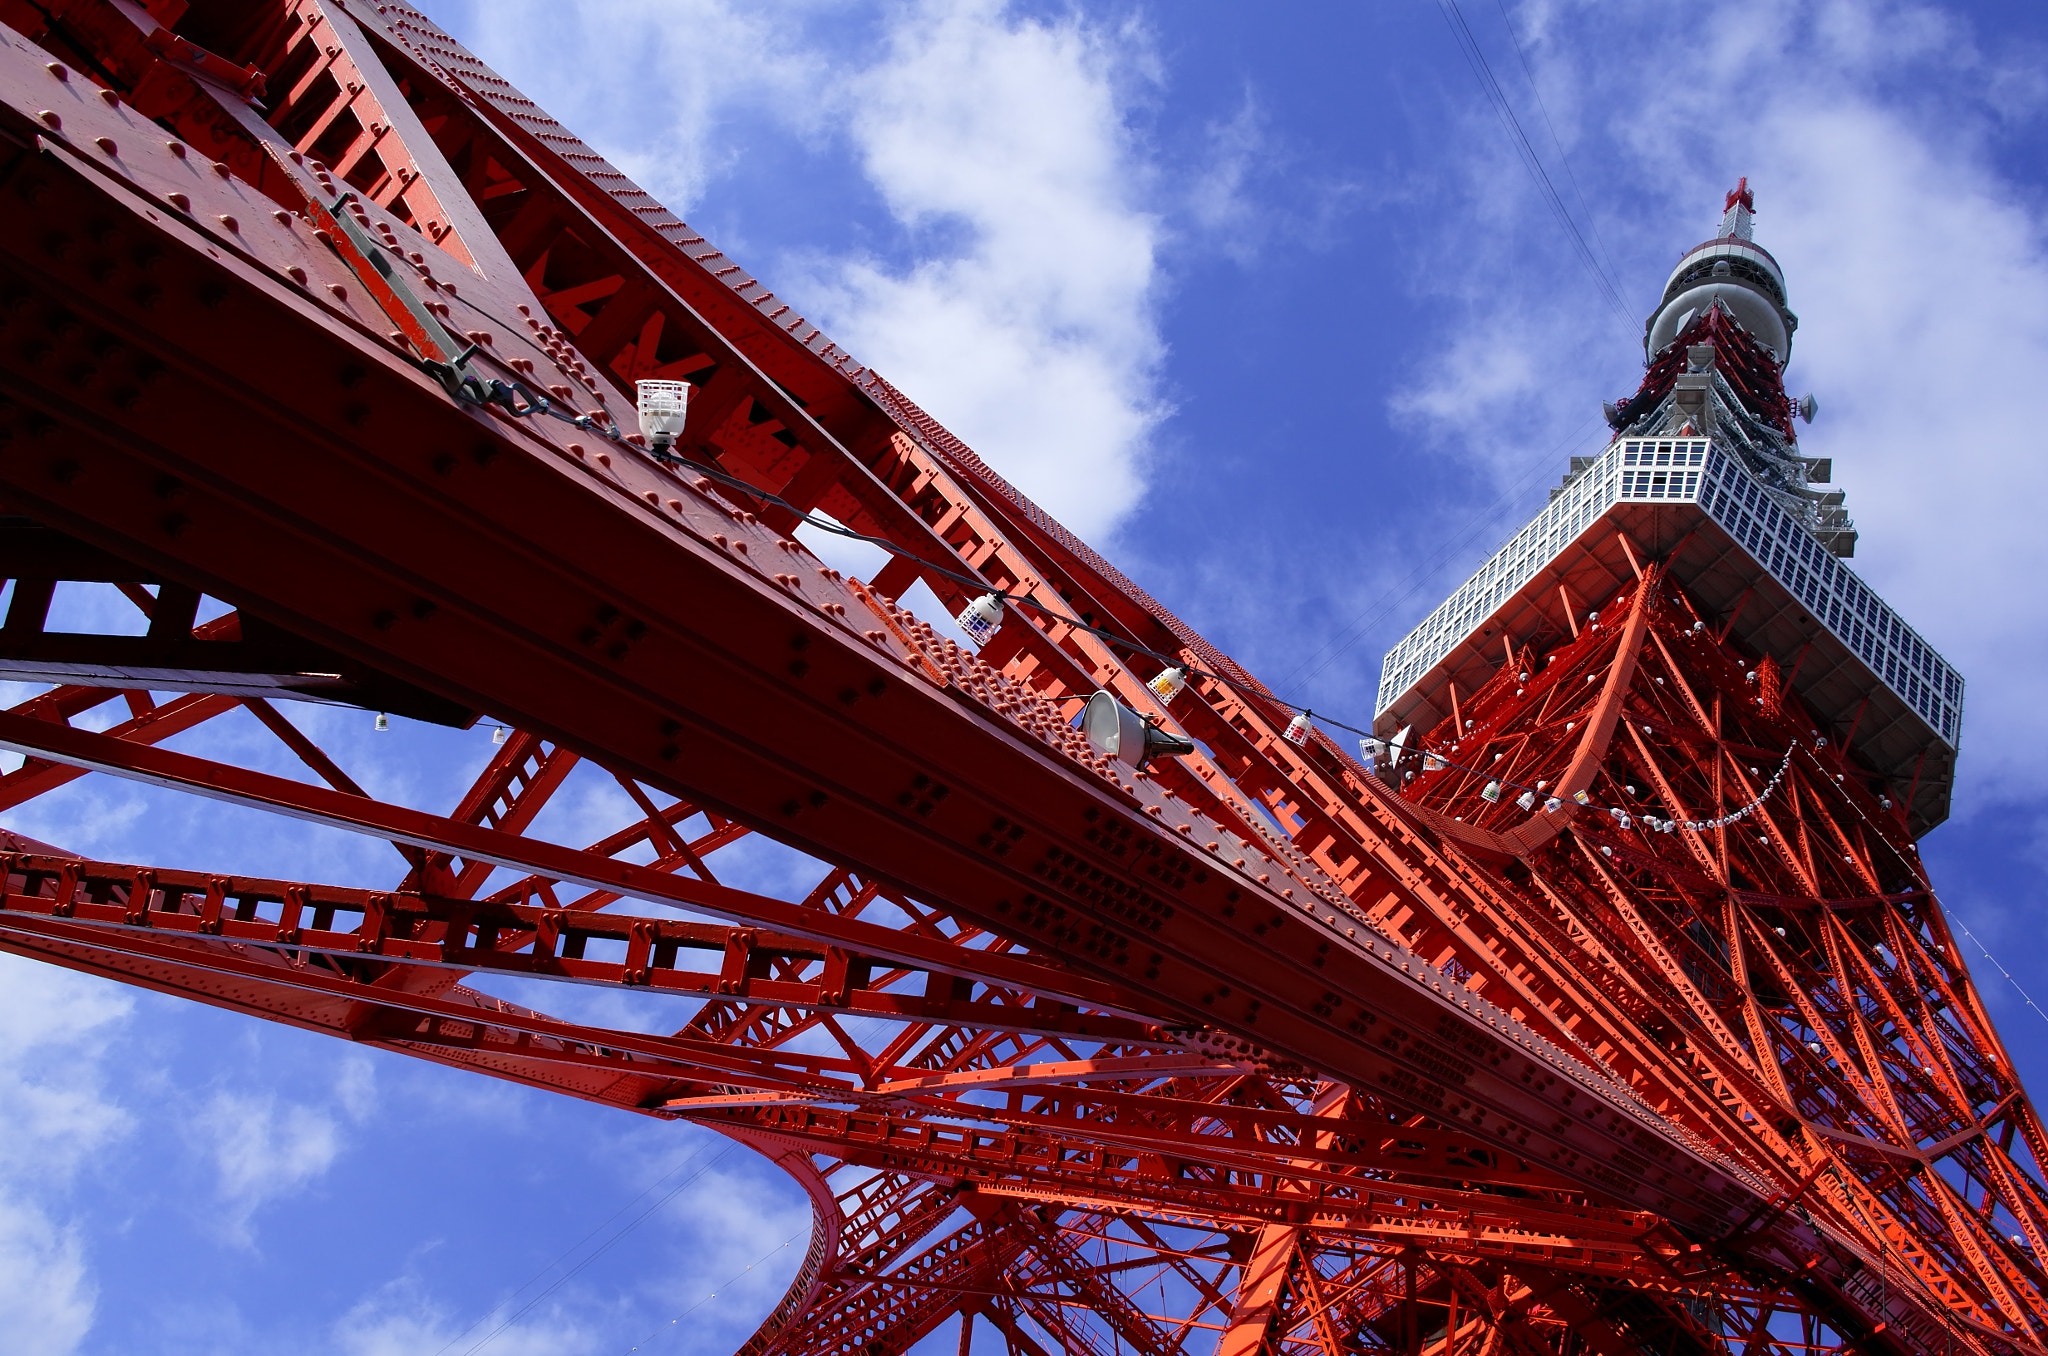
649, 1190
572, 1272
1525, 150
1371, 616
1111, 637
473, 390
1527, 70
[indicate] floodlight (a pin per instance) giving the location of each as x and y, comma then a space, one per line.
1116, 731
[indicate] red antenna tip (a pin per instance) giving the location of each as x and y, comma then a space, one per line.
1740, 194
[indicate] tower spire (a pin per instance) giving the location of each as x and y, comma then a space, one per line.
1739, 212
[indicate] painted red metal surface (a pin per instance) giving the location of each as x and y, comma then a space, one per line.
1247, 1052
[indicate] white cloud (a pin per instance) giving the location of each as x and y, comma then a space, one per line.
46, 1297
1024, 321
55, 1028
1919, 270
1017, 305
711, 61
263, 1148
402, 1319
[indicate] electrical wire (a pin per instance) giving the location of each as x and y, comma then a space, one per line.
653, 1186
1401, 592
828, 525
1020, 600
1956, 918
1592, 223
595, 1253
476, 391
735, 1277
1525, 150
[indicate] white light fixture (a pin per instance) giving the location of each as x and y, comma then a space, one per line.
1169, 683
383, 721
1116, 731
981, 619
1491, 793
498, 735
662, 408
1299, 729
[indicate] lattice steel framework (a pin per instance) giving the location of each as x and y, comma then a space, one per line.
1259, 1051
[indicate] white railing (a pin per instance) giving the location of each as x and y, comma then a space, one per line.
1686, 471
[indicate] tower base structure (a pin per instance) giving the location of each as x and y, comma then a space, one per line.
1249, 1050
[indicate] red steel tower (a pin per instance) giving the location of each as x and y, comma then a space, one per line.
1602, 1006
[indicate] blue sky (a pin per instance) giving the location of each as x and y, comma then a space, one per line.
1260, 301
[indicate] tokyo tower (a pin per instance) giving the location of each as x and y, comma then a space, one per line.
1597, 1002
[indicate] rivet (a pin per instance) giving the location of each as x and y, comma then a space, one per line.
106, 144
179, 201
50, 120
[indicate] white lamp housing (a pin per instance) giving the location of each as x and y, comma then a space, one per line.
1169, 683
663, 405
981, 618
1116, 731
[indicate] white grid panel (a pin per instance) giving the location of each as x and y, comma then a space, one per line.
1692, 470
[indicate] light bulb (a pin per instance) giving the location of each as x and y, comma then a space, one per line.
1169, 683
662, 407
498, 735
1298, 730
383, 721
981, 618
